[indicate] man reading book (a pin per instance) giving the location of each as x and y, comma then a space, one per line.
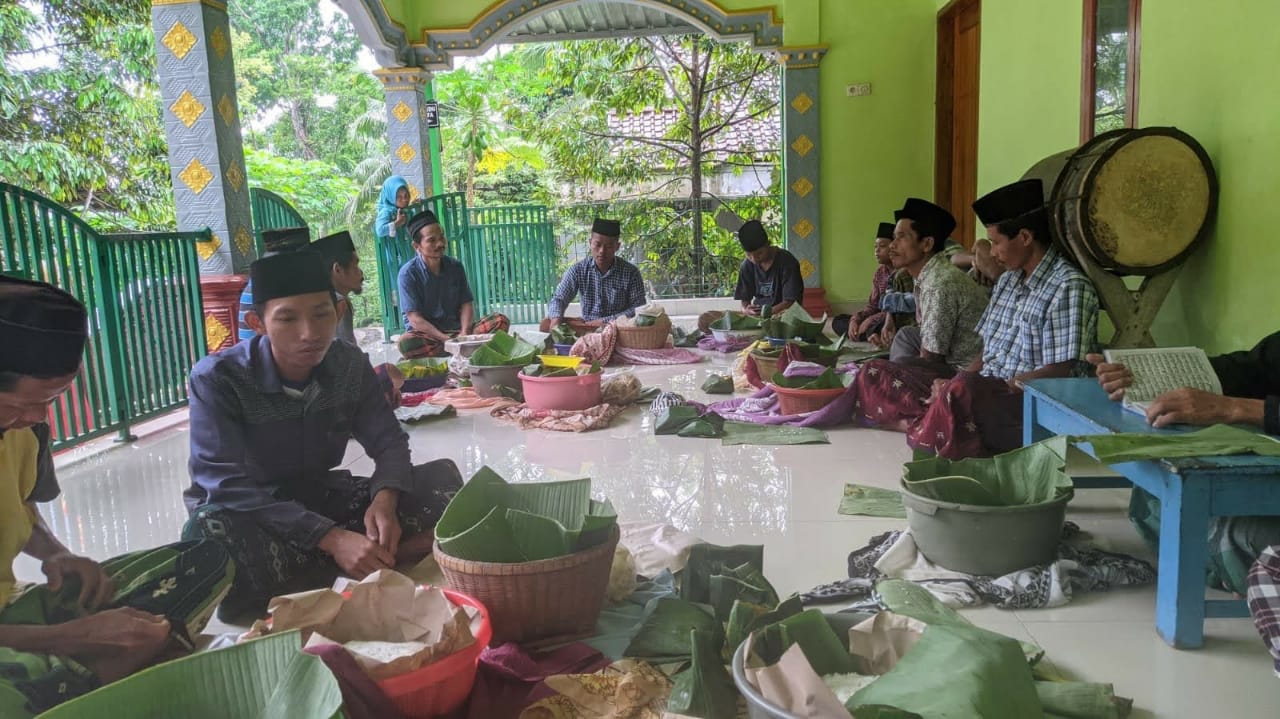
1250, 395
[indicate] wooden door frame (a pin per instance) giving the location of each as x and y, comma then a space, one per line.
944, 114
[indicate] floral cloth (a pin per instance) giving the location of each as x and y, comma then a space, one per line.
628, 689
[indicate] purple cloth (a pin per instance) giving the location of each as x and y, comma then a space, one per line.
361, 697
510, 679
711, 344
762, 407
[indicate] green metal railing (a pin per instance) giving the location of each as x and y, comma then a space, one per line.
142, 293
517, 263
271, 212
394, 252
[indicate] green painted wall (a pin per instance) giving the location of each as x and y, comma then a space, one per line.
877, 149
1029, 85
1209, 69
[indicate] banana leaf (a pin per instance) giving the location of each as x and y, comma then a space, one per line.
827, 380
826, 651
645, 320
771, 434
563, 334
597, 525
675, 417
732, 320
566, 502
746, 618
539, 537
743, 582
489, 540
795, 323
718, 384
469, 505
268, 678
664, 635
705, 689
504, 350
706, 560
708, 426
1216, 440
1028, 476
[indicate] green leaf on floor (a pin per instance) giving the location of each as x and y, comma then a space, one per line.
861, 500
744, 582
707, 560
664, 635
705, 689
771, 434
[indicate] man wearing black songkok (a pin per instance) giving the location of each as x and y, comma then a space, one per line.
270, 423
769, 275
92, 623
608, 286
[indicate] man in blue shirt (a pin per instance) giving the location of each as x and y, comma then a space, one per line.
435, 297
270, 423
285, 239
610, 287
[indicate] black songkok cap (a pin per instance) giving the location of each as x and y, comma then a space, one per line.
752, 236
1010, 202
42, 329
608, 228
285, 239
288, 275
885, 231
421, 220
932, 220
337, 246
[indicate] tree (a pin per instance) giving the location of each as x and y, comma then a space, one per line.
80, 115
712, 88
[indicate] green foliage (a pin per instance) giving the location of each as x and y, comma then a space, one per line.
316, 189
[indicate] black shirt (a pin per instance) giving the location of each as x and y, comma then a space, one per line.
780, 283
1254, 375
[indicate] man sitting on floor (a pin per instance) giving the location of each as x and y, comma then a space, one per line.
870, 321
608, 286
270, 423
769, 275
1250, 396
1042, 322
274, 242
435, 297
92, 623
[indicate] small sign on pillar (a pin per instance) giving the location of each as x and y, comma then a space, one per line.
431, 111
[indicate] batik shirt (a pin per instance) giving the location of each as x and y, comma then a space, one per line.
253, 438
948, 307
1049, 317
604, 295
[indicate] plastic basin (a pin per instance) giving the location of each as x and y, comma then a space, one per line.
563, 393
757, 706
563, 349
800, 401
985, 541
736, 335
486, 380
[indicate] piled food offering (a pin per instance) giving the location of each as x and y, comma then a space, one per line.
738, 326
494, 367
489, 520
390, 625
795, 324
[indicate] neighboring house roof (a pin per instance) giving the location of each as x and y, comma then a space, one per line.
760, 135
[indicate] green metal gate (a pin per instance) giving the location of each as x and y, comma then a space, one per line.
142, 292
393, 253
271, 212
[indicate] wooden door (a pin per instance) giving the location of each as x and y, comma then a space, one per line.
956, 159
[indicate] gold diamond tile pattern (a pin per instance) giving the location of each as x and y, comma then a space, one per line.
802, 103
196, 176
215, 332
244, 240
406, 153
206, 249
402, 112
806, 268
235, 176
218, 41
802, 186
179, 40
227, 109
802, 145
804, 228
187, 108
413, 192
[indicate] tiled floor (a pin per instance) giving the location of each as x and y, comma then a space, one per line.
784, 498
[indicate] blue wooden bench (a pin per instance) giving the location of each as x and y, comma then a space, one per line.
1190, 491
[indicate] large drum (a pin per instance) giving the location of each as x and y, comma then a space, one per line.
1136, 202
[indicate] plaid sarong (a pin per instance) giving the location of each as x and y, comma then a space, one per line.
414, 344
182, 582
1264, 599
491, 323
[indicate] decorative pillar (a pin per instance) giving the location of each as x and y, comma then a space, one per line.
407, 132
800, 133
206, 156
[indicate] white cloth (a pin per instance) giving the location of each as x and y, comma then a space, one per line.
656, 546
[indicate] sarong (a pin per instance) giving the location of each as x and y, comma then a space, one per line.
414, 344
975, 416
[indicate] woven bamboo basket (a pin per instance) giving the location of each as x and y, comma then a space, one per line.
766, 365
548, 601
652, 337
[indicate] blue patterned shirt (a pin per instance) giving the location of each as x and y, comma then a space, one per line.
604, 295
1050, 317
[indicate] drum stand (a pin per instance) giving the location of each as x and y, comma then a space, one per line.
1132, 311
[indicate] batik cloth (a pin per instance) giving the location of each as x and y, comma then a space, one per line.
414, 344
1264, 599
182, 582
974, 416
268, 565
948, 308
895, 395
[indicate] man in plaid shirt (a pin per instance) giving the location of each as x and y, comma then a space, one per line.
609, 286
1042, 322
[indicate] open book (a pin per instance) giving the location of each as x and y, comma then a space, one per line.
1160, 370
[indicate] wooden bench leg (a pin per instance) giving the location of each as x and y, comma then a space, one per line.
1184, 537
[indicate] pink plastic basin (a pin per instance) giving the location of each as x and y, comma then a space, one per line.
577, 392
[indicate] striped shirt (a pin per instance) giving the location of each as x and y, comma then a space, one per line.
1048, 318
604, 295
